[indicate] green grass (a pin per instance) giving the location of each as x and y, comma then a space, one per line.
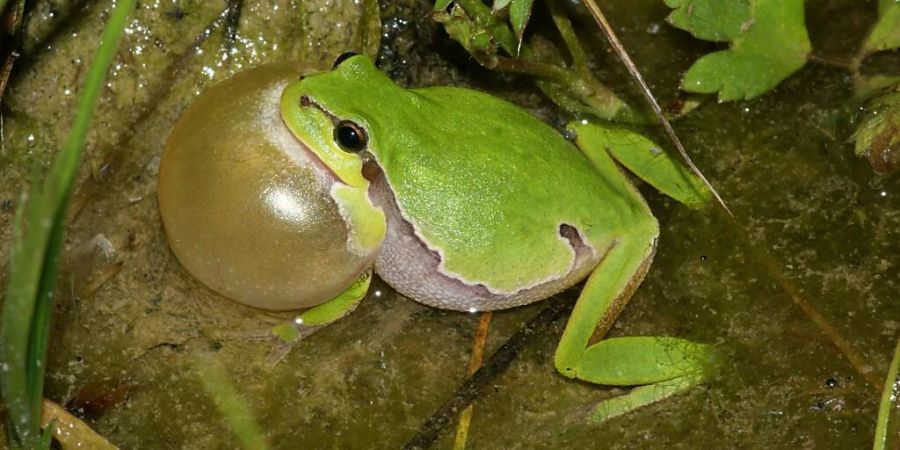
229, 402
887, 411
37, 242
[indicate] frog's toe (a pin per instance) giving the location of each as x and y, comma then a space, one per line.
660, 367
637, 360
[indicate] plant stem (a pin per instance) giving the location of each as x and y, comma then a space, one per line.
564, 26
889, 401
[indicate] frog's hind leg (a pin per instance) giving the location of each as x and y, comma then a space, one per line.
659, 366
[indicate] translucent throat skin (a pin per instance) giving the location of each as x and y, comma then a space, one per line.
233, 180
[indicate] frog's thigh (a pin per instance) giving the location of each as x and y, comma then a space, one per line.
663, 366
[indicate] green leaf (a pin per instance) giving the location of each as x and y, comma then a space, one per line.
500, 4
463, 28
878, 135
230, 403
885, 35
768, 43
719, 21
519, 13
441, 5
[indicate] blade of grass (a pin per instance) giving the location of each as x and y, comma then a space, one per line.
34, 257
465, 418
890, 402
228, 401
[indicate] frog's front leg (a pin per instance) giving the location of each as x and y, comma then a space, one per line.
660, 366
318, 317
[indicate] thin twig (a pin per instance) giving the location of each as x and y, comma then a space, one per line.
473, 387
14, 41
71, 432
645, 90
832, 62
462, 430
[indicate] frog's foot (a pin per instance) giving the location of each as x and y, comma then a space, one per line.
283, 337
642, 157
660, 367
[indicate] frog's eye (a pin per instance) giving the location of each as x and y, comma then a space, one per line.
350, 136
343, 57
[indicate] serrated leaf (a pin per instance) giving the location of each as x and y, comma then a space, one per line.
462, 28
719, 21
885, 35
768, 39
878, 134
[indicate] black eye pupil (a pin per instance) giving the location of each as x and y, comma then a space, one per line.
350, 136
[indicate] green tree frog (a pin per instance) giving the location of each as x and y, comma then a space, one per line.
466, 202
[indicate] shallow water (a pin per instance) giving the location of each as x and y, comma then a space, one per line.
812, 223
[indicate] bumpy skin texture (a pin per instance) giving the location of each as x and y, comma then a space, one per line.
483, 185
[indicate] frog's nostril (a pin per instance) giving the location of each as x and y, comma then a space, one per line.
304, 101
